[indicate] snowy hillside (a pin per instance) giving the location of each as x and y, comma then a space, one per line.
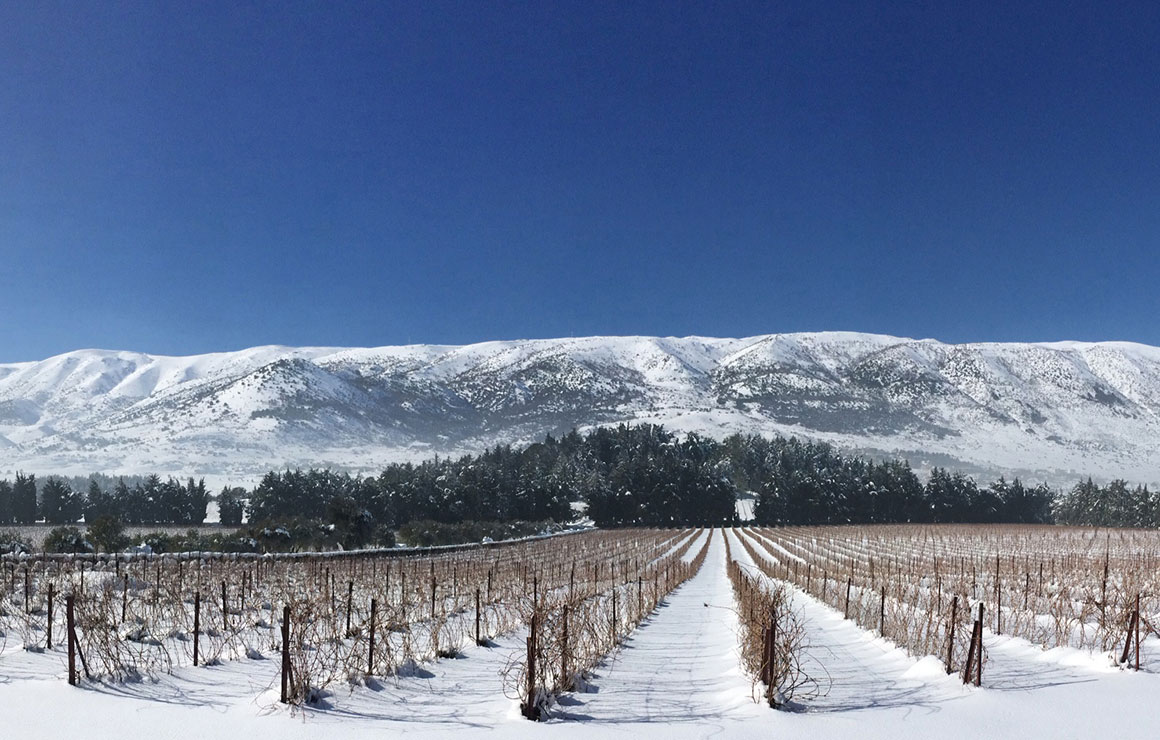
1044, 410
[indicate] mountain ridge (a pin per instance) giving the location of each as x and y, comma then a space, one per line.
1052, 410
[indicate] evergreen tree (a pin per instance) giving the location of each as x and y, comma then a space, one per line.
126, 502
196, 502
99, 503
231, 506
24, 508
1081, 505
6, 515
56, 501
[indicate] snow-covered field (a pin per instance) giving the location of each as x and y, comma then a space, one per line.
677, 676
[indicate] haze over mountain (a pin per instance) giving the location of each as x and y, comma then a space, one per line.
1052, 411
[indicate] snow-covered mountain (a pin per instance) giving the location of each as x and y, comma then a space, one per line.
1050, 411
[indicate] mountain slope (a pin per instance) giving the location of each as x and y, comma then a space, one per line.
1047, 410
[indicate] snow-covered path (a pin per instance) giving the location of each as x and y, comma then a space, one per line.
680, 666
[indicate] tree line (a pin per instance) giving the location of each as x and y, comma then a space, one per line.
148, 500
626, 475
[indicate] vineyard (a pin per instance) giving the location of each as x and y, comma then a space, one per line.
606, 626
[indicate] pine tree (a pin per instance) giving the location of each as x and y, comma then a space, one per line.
196, 502
60, 504
24, 509
99, 503
6, 517
231, 506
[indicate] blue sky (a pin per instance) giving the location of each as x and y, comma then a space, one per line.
211, 176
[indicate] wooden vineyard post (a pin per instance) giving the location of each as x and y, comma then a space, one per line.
225, 611
432, 590
771, 656
1136, 621
979, 649
48, 633
70, 625
1133, 630
196, 623
285, 655
371, 648
882, 614
530, 708
951, 641
125, 598
849, 583
349, 603
998, 606
971, 653
1104, 593
566, 681
613, 624
478, 637
763, 675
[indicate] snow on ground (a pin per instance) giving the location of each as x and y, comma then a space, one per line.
676, 677
746, 501
680, 668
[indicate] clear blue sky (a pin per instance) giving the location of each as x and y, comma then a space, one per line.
210, 176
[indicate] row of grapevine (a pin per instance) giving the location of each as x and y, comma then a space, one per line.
572, 629
332, 617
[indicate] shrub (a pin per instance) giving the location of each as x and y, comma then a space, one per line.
67, 539
108, 534
12, 542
